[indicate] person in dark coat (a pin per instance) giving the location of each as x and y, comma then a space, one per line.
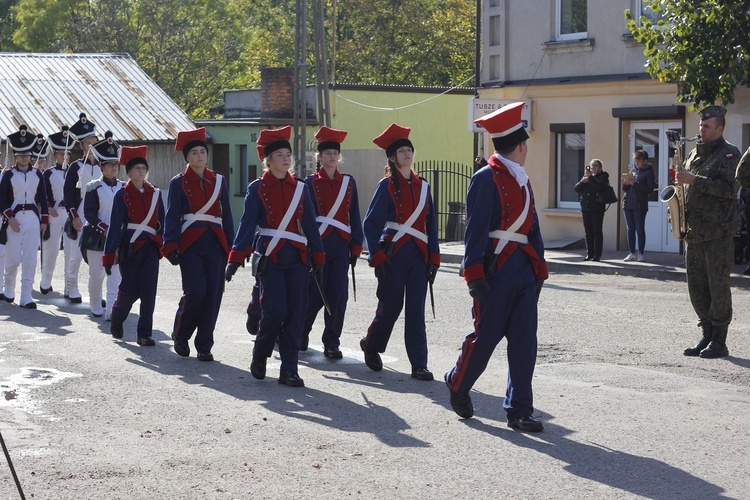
288, 243
637, 185
590, 189
198, 233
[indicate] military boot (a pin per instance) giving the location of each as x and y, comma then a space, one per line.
717, 348
708, 331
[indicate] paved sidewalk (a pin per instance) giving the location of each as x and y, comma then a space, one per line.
662, 266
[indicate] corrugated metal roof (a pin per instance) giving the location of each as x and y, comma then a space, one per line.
46, 91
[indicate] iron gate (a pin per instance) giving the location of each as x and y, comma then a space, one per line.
449, 182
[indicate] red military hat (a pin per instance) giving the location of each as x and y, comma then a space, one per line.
329, 138
271, 140
189, 139
392, 138
131, 155
505, 126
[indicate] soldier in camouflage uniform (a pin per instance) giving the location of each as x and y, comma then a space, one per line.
712, 220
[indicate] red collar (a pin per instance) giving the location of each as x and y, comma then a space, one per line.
322, 175
190, 175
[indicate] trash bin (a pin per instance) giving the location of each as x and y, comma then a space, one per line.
456, 225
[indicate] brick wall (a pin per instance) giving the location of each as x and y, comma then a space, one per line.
277, 92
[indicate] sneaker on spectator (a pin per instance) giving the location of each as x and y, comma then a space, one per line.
629, 258
641, 258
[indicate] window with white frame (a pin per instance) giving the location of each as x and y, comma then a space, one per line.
571, 19
570, 161
643, 7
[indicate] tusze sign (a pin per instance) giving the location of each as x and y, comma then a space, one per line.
479, 107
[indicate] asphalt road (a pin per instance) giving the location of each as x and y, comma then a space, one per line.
626, 414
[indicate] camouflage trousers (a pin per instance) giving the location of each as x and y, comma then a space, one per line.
709, 265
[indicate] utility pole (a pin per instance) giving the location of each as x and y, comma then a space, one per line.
300, 77
300, 81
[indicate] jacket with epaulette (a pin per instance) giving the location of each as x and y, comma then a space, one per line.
711, 205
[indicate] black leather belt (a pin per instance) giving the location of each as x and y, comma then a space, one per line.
20, 208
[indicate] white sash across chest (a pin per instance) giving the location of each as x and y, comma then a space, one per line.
408, 226
201, 214
330, 219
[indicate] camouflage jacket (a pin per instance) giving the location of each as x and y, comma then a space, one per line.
711, 201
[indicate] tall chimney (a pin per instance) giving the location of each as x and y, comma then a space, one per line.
277, 92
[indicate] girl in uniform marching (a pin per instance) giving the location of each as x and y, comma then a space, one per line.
133, 243
198, 232
54, 179
401, 233
280, 205
97, 209
334, 197
78, 175
23, 202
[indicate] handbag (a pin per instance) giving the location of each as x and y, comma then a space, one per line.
92, 238
607, 196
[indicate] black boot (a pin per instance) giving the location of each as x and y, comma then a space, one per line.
703, 343
718, 346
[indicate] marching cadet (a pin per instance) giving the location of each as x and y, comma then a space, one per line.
504, 267
78, 175
54, 179
97, 210
280, 205
401, 233
23, 201
334, 197
198, 232
133, 242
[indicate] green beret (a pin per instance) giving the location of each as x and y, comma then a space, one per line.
712, 112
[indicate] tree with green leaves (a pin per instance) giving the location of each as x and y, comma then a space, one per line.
701, 45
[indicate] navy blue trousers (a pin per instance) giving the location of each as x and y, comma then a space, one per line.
253, 308
202, 268
336, 288
140, 275
509, 310
405, 274
283, 301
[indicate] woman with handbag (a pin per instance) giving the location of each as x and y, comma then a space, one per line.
97, 210
591, 189
133, 242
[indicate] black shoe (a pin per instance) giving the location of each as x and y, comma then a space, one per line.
252, 324
146, 341
44, 291
596, 259
104, 303
97, 315
291, 379
422, 374
332, 353
8, 299
29, 305
715, 350
205, 356
258, 367
75, 300
746, 272
697, 348
526, 423
115, 329
2, 296
460, 404
372, 358
181, 347
304, 342
587, 258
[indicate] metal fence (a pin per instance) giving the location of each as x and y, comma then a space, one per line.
449, 182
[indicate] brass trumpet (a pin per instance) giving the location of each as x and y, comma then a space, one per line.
674, 196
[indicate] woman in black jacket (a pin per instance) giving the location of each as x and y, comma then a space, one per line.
590, 189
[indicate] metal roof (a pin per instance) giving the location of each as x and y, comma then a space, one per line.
46, 91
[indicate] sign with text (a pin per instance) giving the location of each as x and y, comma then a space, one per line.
479, 107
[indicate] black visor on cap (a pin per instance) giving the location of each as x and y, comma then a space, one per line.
193, 144
275, 146
395, 145
329, 145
